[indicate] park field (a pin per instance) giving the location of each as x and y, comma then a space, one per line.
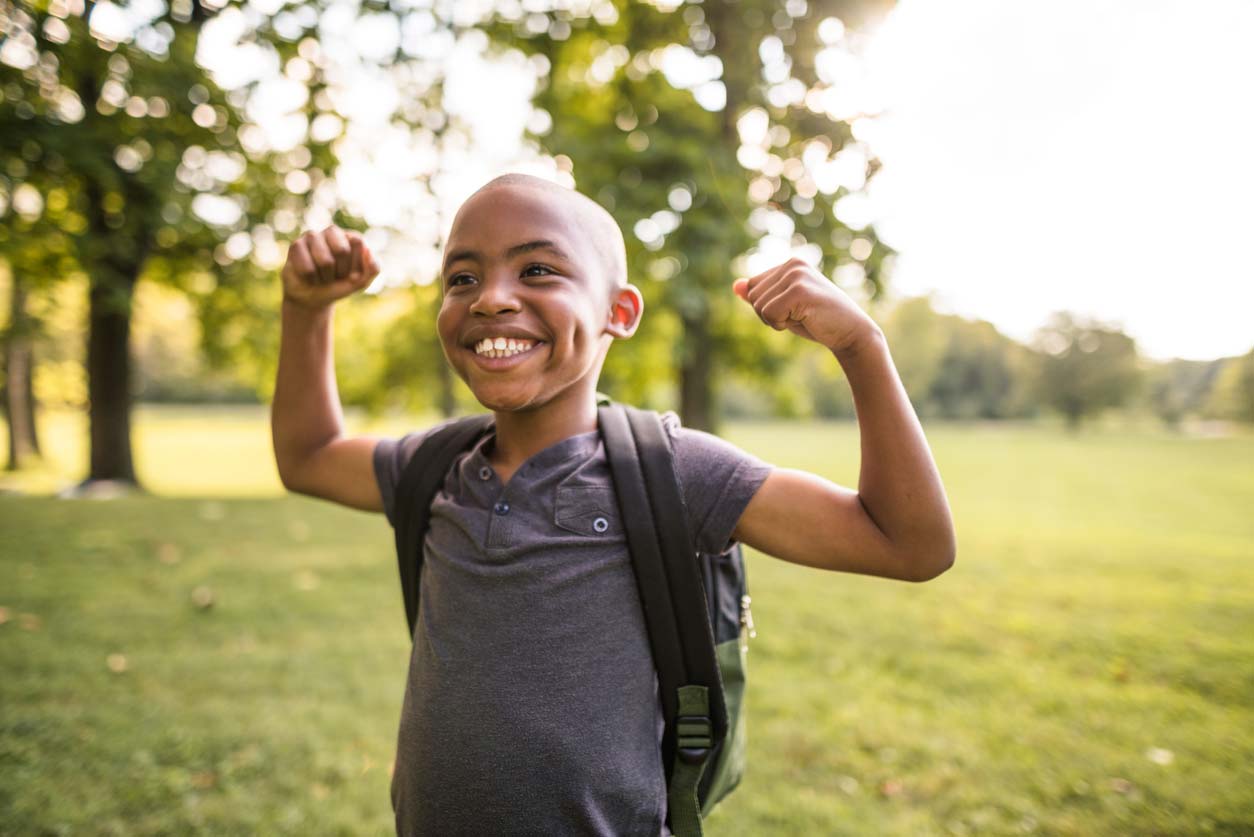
217, 658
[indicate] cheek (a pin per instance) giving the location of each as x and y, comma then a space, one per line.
445, 322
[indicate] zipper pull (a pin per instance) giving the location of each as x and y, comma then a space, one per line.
746, 615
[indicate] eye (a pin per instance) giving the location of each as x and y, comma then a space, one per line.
544, 270
459, 279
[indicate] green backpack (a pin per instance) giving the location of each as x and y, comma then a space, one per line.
697, 611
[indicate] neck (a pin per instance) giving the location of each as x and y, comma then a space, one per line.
519, 435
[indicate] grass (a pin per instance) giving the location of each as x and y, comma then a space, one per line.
1086, 667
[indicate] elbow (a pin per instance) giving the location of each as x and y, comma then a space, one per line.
929, 564
928, 570
288, 477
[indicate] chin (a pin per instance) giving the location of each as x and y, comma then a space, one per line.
503, 402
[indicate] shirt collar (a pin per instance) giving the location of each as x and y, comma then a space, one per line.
580, 445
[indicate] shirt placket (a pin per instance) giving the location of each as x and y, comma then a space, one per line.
502, 514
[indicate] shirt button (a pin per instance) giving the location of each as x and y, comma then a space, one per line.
600, 524
485, 473
501, 508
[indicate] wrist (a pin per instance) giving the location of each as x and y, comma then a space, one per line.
869, 338
303, 310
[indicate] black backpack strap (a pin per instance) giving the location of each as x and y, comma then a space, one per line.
664, 559
420, 480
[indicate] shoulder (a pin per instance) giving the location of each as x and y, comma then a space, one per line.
399, 450
393, 454
717, 479
697, 447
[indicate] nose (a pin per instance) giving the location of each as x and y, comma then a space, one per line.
497, 295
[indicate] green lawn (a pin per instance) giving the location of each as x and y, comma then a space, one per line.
1087, 667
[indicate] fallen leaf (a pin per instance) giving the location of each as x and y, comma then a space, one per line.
1160, 756
202, 597
4, 615
1119, 785
891, 787
116, 663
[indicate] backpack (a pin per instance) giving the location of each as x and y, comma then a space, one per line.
696, 611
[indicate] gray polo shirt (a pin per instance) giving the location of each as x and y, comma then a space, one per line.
531, 705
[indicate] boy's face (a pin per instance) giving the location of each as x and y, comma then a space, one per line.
520, 265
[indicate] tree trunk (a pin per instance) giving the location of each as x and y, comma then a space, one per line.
695, 393
19, 367
109, 375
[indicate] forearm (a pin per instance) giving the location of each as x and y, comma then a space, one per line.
305, 413
899, 484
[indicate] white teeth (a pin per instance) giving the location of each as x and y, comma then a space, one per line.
502, 346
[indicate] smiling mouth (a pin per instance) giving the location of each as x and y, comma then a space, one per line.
500, 347
511, 352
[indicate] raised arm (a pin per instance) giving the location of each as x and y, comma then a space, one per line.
306, 421
897, 524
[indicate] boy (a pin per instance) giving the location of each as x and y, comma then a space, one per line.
523, 712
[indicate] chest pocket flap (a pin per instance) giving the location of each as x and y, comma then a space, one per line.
588, 510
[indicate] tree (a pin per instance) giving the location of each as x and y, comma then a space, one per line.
1084, 366
702, 128
150, 162
1178, 388
1232, 396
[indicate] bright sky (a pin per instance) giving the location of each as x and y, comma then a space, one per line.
1083, 154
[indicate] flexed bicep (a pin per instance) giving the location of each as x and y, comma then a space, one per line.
805, 519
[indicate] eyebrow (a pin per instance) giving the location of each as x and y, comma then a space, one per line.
516, 250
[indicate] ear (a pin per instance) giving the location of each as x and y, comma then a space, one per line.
626, 307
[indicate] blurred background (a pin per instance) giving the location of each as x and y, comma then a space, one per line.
1046, 207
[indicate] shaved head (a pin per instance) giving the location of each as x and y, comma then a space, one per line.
591, 218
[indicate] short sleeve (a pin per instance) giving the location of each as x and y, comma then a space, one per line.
391, 455
718, 480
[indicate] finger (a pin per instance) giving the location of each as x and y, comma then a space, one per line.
768, 286
740, 288
776, 309
300, 260
371, 264
338, 244
757, 279
358, 266
322, 257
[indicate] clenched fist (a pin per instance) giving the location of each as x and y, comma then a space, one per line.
797, 297
326, 266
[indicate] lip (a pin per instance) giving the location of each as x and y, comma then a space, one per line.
502, 364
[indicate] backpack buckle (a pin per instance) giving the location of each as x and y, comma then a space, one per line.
696, 737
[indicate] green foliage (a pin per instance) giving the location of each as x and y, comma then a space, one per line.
1233, 393
956, 368
1085, 366
1179, 388
125, 158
